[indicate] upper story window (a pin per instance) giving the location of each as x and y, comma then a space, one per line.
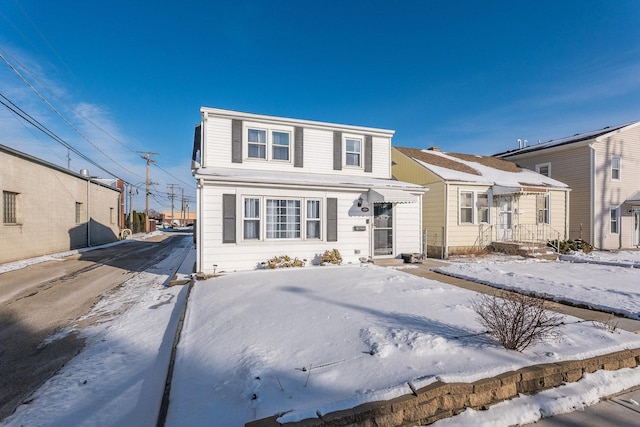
353, 152
268, 143
257, 143
473, 207
615, 168
544, 169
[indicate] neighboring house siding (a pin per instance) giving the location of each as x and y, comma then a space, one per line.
571, 166
624, 145
46, 204
593, 196
461, 236
407, 222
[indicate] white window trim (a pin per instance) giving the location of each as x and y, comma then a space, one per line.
262, 219
360, 138
474, 206
617, 218
269, 129
548, 199
619, 168
541, 165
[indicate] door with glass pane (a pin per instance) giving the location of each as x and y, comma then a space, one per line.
382, 229
505, 218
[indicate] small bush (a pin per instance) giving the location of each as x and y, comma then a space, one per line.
566, 246
284, 261
516, 320
332, 257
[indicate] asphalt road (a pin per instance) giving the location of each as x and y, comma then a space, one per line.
39, 300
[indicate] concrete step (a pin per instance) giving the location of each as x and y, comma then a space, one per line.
388, 262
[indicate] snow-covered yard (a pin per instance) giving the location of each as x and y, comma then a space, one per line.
311, 339
327, 338
607, 283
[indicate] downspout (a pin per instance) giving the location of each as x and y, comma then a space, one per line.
198, 229
567, 212
88, 212
592, 194
445, 232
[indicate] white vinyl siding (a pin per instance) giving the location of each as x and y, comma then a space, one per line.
317, 152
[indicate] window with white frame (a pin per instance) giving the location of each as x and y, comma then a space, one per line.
280, 145
251, 218
473, 207
482, 206
542, 208
283, 219
544, 169
615, 168
257, 143
9, 207
615, 220
352, 151
271, 143
313, 219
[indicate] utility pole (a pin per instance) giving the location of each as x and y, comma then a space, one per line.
172, 196
147, 157
182, 208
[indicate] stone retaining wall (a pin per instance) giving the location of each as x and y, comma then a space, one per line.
441, 400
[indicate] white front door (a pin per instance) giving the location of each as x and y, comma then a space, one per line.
382, 229
505, 218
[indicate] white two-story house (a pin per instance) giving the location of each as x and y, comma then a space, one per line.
270, 186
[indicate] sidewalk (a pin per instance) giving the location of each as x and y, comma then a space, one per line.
619, 410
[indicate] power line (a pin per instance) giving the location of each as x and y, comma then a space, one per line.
58, 113
35, 123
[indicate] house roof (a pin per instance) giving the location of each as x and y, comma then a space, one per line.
286, 179
481, 170
578, 137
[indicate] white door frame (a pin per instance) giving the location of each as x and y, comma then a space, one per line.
505, 217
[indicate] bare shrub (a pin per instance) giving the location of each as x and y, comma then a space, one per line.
516, 320
332, 257
284, 261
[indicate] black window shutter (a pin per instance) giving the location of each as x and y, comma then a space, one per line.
236, 141
368, 153
332, 219
228, 218
337, 150
298, 147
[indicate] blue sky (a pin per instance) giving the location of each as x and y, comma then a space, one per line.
468, 77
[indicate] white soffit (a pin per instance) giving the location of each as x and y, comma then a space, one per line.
387, 195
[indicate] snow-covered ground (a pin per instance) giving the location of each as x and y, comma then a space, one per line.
608, 283
304, 340
321, 339
118, 378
